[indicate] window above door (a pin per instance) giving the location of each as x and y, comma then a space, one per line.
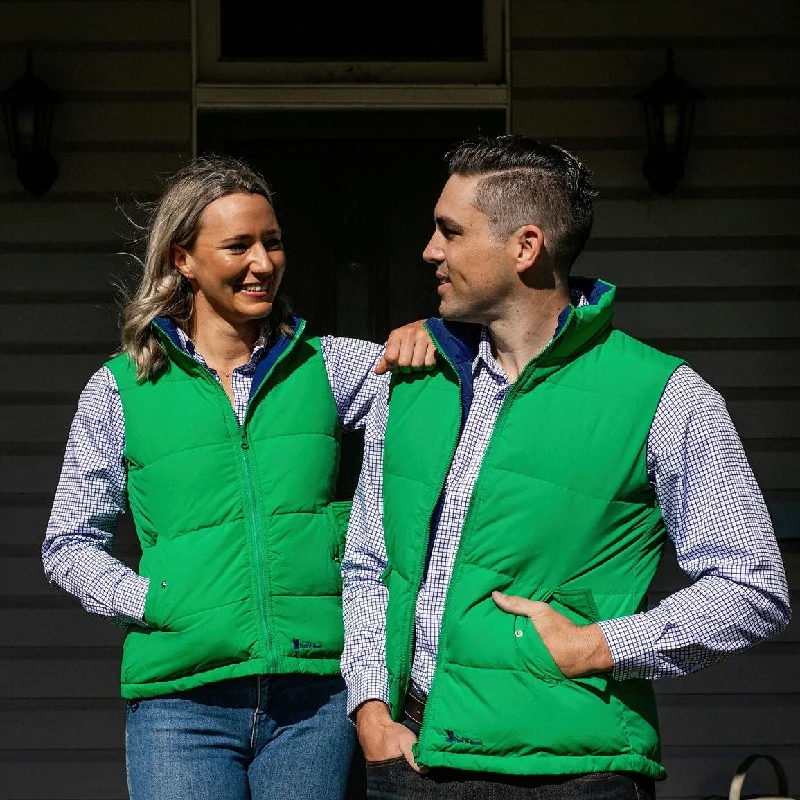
454, 42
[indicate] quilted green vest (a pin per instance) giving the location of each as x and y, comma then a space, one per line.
561, 512
240, 536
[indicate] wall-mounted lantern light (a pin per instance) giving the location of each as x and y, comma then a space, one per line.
28, 106
669, 104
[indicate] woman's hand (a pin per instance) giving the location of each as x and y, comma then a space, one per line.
408, 348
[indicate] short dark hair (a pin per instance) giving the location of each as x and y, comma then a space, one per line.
530, 182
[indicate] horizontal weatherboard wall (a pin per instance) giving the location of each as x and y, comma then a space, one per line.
711, 274
123, 69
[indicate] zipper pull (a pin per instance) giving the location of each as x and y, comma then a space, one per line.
245, 443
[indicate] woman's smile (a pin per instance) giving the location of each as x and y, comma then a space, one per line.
237, 262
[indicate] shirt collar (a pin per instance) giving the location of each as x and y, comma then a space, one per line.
484, 355
259, 350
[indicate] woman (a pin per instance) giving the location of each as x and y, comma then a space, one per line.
218, 425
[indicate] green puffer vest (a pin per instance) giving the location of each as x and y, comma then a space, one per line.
240, 538
561, 512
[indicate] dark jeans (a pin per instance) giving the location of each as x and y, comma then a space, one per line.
395, 780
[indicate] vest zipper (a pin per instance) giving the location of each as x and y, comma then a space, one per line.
261, 564
255, 527
502, 414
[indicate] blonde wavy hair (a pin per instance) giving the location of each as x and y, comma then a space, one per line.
175, 220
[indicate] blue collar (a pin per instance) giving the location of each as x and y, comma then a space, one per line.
459, 341
169, 329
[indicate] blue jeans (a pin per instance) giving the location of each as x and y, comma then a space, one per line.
256, 738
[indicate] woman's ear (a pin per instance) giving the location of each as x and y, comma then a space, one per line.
181, 260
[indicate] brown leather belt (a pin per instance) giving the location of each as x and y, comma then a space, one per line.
414, 707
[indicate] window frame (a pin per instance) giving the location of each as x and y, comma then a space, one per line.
209, 70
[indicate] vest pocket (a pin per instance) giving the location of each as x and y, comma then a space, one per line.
161, 600
339, 515
577, 605
532, 650
151, 615
151, 566
534, 654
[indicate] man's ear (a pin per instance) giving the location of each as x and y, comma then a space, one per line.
530, 246
181, 260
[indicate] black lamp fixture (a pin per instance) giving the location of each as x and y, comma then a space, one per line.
669, 104
28, 107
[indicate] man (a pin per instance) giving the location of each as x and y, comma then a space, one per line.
497, 642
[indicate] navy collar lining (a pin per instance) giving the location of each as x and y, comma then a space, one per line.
459, 341
170, 329
271, 358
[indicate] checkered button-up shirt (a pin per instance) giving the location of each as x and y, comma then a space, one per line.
712, 508
78, 547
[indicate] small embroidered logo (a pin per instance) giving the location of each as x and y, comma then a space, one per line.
302, 644
451, 737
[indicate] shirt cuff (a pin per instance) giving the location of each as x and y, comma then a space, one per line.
369, 684
131, 595
630, 640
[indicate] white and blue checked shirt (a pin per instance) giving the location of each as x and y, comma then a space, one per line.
713, 511
91, 493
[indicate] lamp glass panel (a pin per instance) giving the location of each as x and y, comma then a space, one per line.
26, 126
43, 128
672, 117
656, 137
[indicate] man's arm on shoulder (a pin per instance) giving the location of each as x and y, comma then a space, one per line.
718, 522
